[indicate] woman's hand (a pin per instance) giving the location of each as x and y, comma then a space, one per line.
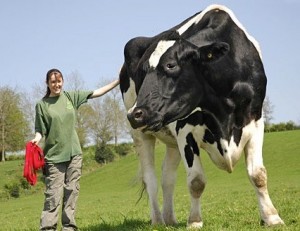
37, 138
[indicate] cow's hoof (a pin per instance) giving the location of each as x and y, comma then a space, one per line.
157, 221
171, 222
195, 225
272, 220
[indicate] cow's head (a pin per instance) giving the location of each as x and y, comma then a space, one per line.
174, 82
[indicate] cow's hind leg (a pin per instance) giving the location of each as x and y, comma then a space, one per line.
145, 145
170, 165
258, 177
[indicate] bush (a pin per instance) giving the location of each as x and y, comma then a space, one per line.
104, 154
123, 149
14, 157
281, 127
13, 189
24, 184
88, 155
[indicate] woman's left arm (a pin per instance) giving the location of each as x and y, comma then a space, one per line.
102, 90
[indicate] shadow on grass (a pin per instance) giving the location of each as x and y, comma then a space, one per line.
131, 225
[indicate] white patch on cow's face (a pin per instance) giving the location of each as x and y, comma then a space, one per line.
160, 49
199, 16
130, 110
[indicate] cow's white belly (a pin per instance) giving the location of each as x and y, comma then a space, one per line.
166, 136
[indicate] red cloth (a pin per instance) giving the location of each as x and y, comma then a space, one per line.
34, 160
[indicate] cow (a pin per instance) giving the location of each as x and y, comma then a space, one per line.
199, 85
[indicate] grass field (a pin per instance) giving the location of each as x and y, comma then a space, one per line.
109, 194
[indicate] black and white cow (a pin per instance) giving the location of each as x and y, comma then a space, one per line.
198, 85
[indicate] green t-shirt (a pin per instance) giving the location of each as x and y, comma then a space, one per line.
56, 120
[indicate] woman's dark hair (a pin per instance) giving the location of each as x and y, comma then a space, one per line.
51, 72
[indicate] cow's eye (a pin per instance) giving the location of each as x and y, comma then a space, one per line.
171, 66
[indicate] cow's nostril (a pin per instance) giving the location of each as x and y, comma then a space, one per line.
138, 114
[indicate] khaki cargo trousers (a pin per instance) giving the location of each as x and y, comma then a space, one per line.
62, 185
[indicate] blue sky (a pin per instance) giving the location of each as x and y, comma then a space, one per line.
88, 37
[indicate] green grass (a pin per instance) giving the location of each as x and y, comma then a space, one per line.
108, 195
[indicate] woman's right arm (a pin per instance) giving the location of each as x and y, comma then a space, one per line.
103, 90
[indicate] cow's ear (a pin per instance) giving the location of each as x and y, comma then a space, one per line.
213, 51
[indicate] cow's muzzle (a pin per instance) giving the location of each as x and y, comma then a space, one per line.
136, 117
140, 119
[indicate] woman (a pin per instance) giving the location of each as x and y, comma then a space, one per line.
55, 120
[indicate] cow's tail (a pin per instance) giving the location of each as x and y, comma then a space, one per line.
142, 189
138, 179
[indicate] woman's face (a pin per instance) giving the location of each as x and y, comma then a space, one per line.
55, 84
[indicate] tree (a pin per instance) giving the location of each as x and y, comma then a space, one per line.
74, 82
84, 114
101, 122
290, 125
109, 118
117, 113
268, 109
14, 127
28, 109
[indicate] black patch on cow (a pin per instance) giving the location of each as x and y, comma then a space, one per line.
124, 80
193, 144
242, 95
214, 132
237, 135
208, 137
189, 156
190, 149
193, 119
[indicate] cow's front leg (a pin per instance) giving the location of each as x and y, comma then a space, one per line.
170, 166
258, 177
145, 145
195, 179
196, 184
